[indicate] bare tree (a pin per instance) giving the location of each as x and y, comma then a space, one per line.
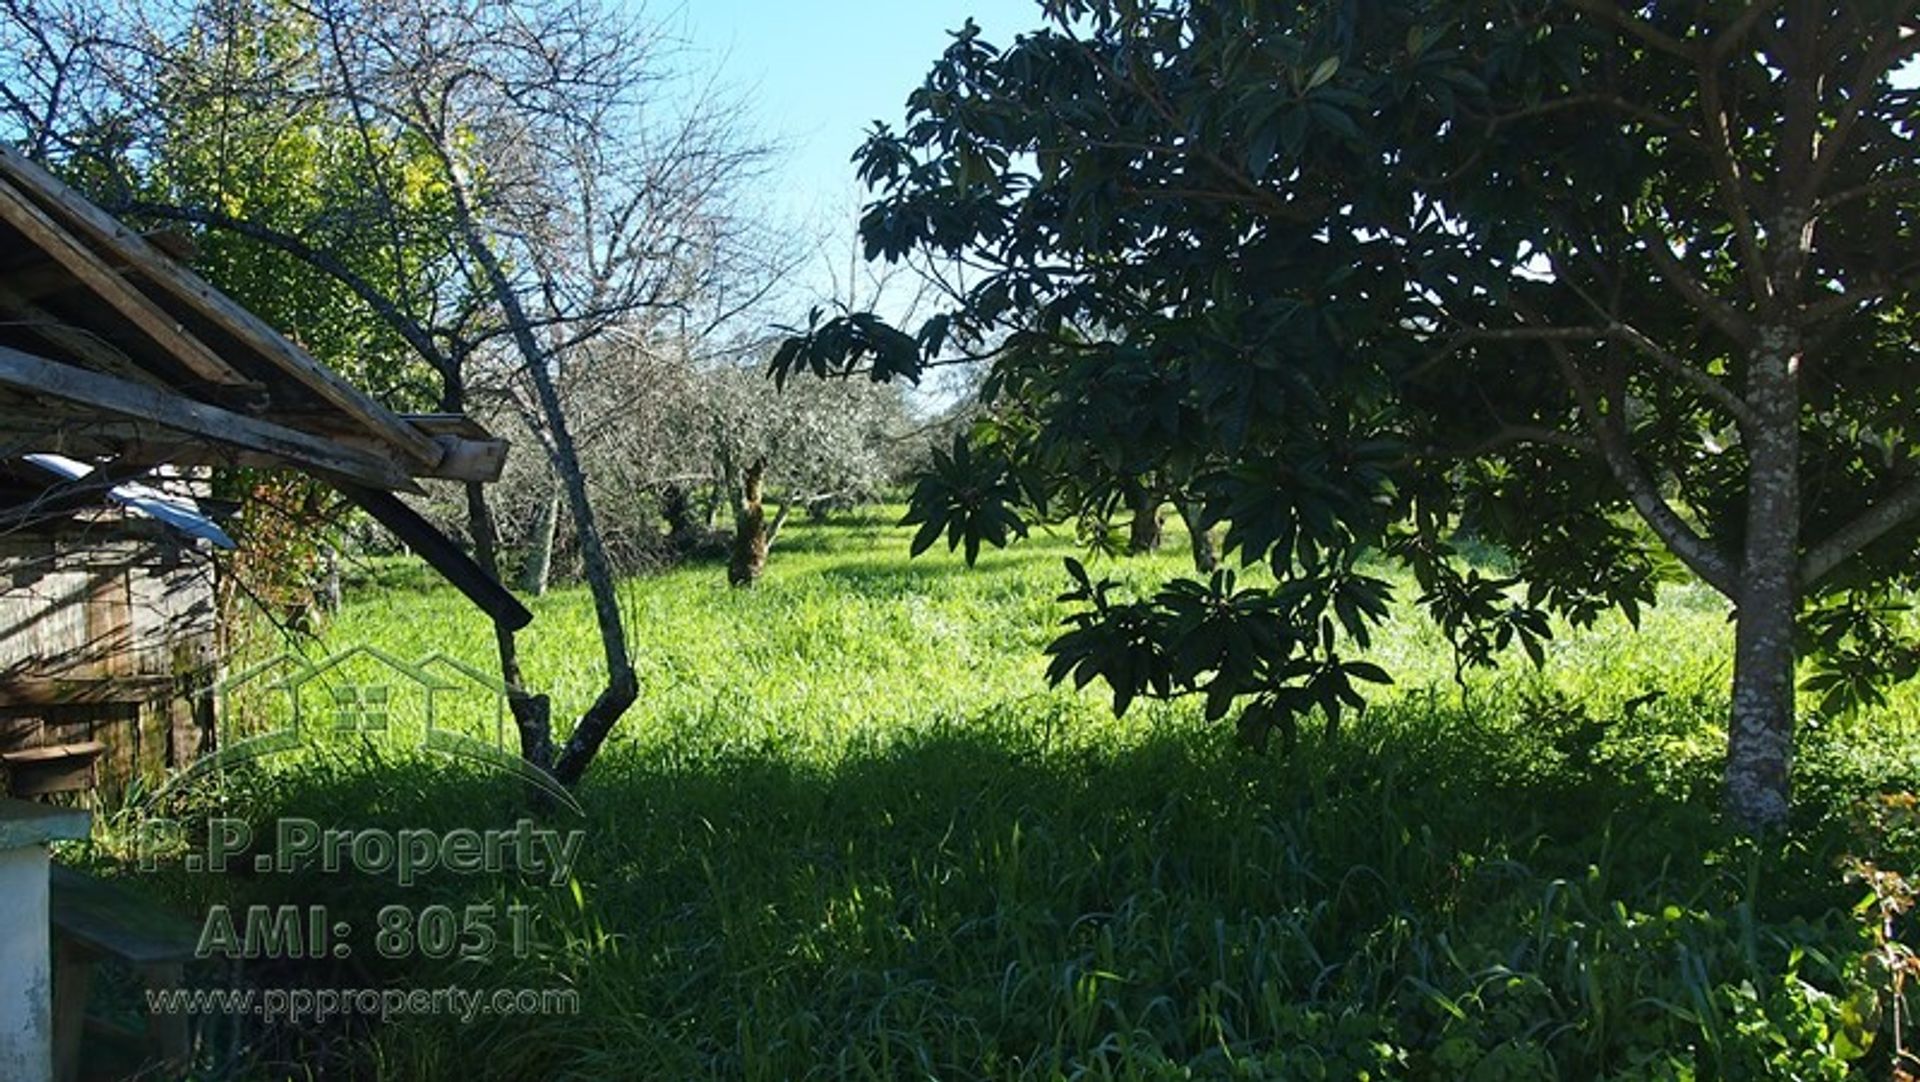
514, 162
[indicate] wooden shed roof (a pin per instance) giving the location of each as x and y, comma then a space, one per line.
114, 351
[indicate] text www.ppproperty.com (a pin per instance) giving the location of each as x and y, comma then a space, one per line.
321, 1004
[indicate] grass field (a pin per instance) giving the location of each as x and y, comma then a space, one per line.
848, 832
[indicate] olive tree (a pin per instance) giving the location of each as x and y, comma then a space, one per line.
821, 443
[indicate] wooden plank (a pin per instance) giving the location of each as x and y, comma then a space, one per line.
192, 290
173, 615
139, 444
110, 622
83, 345
133, 443
71, 343
472, 460
468, 451
80, 690
114, 921
116, 291
51, 379
143, 448
53, 752
462, 460
42, 609
431, 424
446, 557
448, 424
46, 278
62, 774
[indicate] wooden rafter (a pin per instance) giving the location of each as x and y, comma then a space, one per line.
446, 557
145, 443
46, 278
116, 291
85, 345
127, 246
91, 390
470, 453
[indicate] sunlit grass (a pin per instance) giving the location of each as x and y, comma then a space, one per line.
846, 631
849, 832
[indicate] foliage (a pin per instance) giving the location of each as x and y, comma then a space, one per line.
221, 127
497, 185
284, 527
853, 834
1890, 822
971, 503
824, 441
649, 416
1533, 270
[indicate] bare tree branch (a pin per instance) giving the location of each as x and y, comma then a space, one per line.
1609, 432
1821, 559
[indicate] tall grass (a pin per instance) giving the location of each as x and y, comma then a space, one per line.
848, 832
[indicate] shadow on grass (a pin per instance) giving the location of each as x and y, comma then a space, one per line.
1428, 895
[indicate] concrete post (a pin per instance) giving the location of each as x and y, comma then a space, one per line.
26, 963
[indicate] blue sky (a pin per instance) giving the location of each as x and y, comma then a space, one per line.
817, 73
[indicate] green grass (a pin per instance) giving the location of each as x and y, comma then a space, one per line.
848, 832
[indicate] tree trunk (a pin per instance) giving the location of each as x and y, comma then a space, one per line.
538, 567
779, 520
683, 530
1760, 732
330, 580
532, 714
622, 685
1206, 555
750, 535
1143, 536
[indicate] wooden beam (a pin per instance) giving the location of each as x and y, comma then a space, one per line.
140, 443
94, 351
122, 398
148, 451
471, 460
74, 690
461, 459
446, 557
188, 287
43, 277
145, 444
85, 346
116, 291
60, 768
448, 424
469, 451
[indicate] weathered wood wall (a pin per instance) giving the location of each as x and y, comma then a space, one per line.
108, 636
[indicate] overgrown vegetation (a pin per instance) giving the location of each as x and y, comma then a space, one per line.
1344, 278
851, 833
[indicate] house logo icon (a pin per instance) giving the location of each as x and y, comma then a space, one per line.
438, 703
